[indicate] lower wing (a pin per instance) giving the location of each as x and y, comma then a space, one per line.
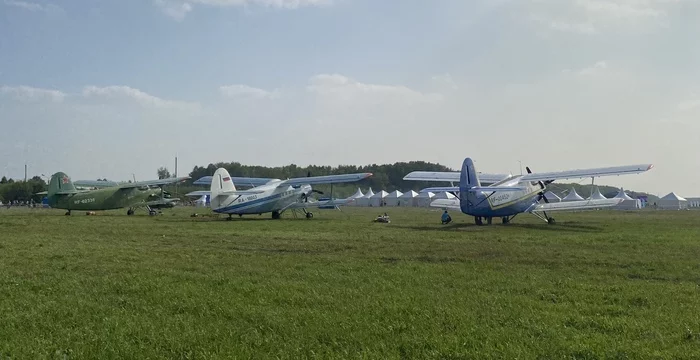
320, 204
575, 205
452, 204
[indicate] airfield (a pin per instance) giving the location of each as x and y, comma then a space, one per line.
598, 284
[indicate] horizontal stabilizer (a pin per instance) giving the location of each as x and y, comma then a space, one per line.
95, 183
440, 189
226, 193
237, 181
496, 188
575, 205
452, 204
587, 173
153, 182
451, 176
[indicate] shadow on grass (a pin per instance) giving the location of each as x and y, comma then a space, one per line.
565, 227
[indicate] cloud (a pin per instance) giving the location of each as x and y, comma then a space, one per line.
175, 10
593, 16
346, 88
178, 9
32, 6
245, 91
28, 93
596, 68
142, 98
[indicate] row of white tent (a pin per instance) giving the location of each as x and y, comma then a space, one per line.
411, 198
669, 202
396, 198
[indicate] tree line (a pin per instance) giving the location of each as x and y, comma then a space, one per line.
387, 177
19, 190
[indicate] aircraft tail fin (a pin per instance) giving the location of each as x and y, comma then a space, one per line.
60, 184
468, 179
221, 183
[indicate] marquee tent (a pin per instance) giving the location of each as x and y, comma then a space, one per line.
409, 198
378, 199
365, 199
424, 199
672, 202
393, 198
596, 195
628, 203
572, 196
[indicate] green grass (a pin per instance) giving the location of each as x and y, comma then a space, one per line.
596, 285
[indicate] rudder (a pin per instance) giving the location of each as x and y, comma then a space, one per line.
468, 179
60, 183
220, 183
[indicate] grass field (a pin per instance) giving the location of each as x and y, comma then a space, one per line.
596, 285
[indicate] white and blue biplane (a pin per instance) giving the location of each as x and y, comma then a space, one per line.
506, 196
269, 195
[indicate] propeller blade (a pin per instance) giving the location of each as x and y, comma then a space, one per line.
528, 170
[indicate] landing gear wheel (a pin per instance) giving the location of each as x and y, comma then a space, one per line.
152, 212
505, 220
309, 215
229, 218
68, 213
477, 221
489, 220
551, 221
275, 215
130, 212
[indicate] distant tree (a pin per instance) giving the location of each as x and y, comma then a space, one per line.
3, 180
10, 181
163, 173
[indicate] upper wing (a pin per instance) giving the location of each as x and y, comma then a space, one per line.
238, 181
153, 182
586, 173
575, 205
95, 183
451, 176
328, 179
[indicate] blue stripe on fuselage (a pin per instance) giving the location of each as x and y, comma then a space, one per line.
250, 203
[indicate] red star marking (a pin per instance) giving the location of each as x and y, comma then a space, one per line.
65, 179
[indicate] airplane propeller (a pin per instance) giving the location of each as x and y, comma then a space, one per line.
543, 185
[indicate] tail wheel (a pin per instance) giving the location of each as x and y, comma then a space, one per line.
130, 212
309, 215
275, 214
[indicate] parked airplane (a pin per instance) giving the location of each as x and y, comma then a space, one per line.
517, 194
268, 195
62, 194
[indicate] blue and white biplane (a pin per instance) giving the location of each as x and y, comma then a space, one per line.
506, 196
269, 195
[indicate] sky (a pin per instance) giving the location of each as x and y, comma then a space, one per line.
116, 89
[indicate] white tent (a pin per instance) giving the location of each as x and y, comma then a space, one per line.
693, 202
596, 195
672, 202
572, 196
552, 197
424, 199
393, 198
409, 198
628, 203
357, 194
355, 197
365, 199
378, 199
